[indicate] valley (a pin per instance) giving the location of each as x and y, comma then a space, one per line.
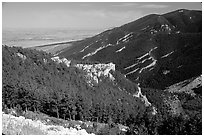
145, 75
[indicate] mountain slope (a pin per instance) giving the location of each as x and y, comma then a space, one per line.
149, 47
37, 81
145, 75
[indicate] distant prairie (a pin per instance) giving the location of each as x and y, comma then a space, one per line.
30, 37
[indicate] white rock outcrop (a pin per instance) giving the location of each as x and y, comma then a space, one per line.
139, 94
23, 57
95, 71
63, 60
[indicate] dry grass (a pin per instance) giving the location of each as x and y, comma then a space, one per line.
14, 126
39, 124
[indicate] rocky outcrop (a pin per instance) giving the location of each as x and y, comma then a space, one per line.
142, 97
63, 60
139, 94
23, 57
95, 71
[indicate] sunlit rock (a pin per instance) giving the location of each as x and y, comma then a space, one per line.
23, 57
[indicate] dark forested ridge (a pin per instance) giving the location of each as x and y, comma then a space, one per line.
145, 75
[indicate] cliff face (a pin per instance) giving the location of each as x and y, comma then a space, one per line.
95, 71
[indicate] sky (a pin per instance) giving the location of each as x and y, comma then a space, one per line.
87, 15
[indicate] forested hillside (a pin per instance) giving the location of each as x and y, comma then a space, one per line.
34, 81
37, 83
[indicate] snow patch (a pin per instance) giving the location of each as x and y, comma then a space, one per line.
146, 59
150, 65
151, 69
86, 47
152, 50
120, 49
145, 28
153, 63
180, 66
167, 54
125, 38
166, 72
130, 66
143, 56
132, 72
178, 32
100, 48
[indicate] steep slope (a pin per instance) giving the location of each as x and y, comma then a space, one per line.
163, 53
37, 81
149, 50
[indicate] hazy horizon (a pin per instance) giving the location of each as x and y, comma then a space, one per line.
83, 15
